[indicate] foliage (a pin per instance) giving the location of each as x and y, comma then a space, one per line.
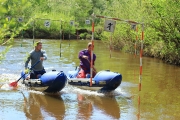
83, 35
160, 18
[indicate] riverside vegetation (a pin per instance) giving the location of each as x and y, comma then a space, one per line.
160, 18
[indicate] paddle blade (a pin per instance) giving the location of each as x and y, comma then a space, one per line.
13, 84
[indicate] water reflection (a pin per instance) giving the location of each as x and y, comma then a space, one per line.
102, 106
38, 106
84, 107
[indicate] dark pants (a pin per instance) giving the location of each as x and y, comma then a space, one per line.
37, 74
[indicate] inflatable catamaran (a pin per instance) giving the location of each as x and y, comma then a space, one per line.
50, 82
104, 80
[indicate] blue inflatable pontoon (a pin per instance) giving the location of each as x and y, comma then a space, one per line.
104, 80
50, 82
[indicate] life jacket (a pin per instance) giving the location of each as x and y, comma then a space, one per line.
81, 74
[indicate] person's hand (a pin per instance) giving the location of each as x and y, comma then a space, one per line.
41, 58
94, 69
26, 71
85, 57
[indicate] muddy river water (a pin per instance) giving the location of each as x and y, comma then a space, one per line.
159, 98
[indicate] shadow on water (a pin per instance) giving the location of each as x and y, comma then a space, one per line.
40, 106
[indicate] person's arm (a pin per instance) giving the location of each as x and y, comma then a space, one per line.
81, 55
94, 69
27, 60
44, 55
94, 59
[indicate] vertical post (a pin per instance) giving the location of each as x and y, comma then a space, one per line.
92, 40
69, 39
141, 53
135, 28
135, 46
33, 32
21, 37
60, 35
77, 33
71, 24
110, 44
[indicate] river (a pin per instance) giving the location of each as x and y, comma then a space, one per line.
158, 99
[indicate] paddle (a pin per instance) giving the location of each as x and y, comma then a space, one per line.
93, 66
14, 84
